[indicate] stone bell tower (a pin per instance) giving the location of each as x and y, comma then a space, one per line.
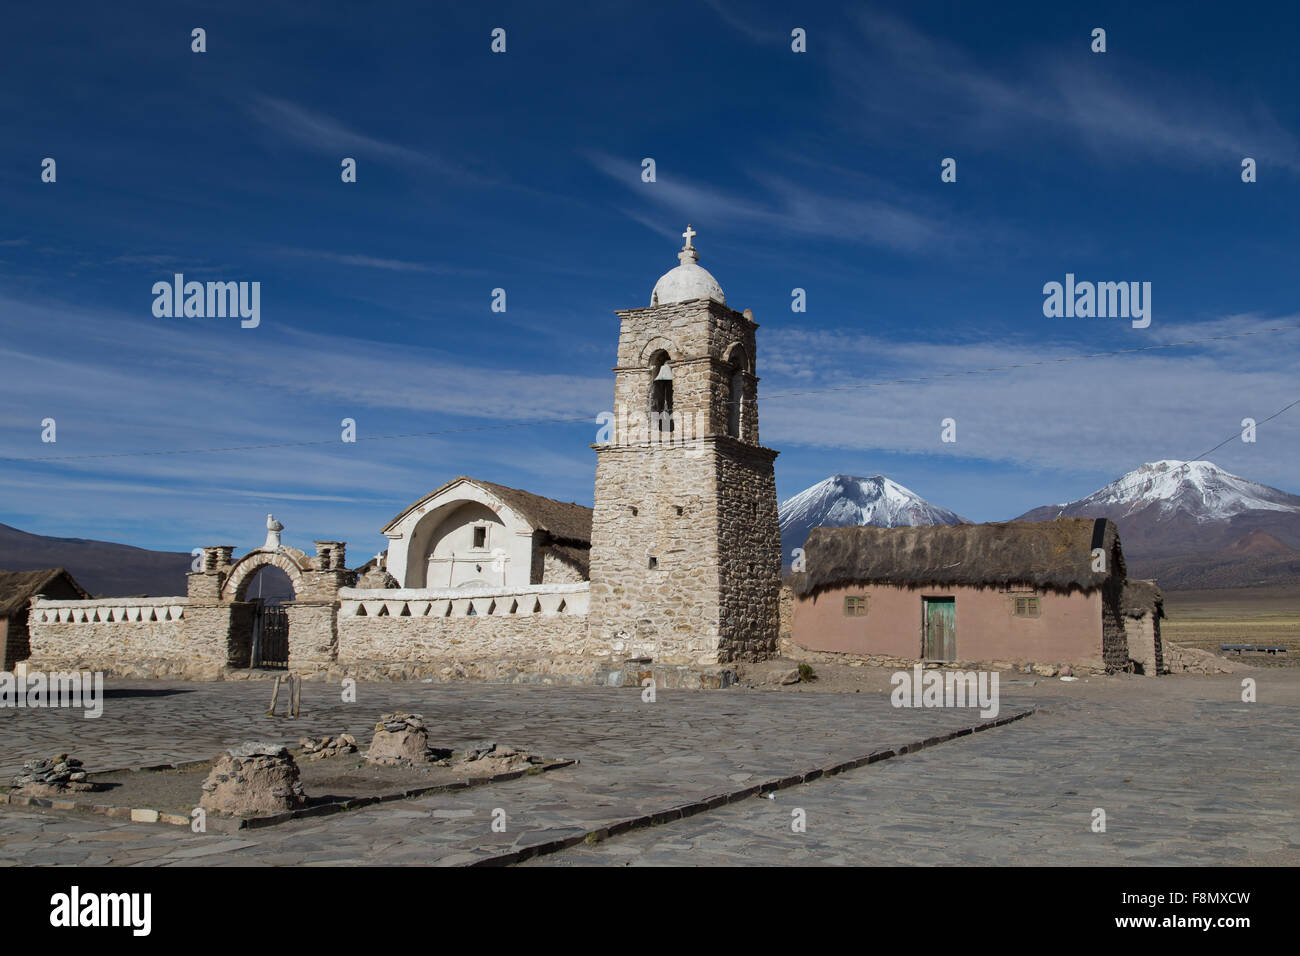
685, 540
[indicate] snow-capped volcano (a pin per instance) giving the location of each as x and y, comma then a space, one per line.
843, 500
1200, 489
1183, 507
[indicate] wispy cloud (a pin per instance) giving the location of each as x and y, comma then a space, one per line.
322, 133
785, 205
374, 262
1106, 415
183, 387
1123, 114
746, 27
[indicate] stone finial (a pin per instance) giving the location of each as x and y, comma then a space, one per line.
273, 529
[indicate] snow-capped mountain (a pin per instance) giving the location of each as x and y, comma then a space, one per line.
843, 500
1180, 508
1200, 489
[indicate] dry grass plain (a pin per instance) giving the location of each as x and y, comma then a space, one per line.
1263, 615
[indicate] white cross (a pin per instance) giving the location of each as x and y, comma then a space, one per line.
379, 559
688, 235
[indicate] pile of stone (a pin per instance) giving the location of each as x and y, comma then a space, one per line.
320, 747
401, 740
58, 774
1180, 659
497, 758
253, 778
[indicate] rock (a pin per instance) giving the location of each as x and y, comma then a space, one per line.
475, 751
1191, 660
244, 784
321, 747
496, 758
256, 749
52, 777
400, 739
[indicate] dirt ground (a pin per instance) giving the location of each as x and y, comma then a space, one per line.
328, 780
1280, 685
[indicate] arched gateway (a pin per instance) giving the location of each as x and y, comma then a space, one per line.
257, 633
289, 560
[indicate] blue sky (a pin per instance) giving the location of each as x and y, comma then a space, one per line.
521, 170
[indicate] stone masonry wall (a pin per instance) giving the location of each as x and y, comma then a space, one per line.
697, 335
442, 634
313, 635
749, 550
558, 571
122, 637
659, 503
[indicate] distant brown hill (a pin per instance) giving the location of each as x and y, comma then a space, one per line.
103, 568
1256, 559
1259, 544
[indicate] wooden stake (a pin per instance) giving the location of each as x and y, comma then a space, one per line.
275, 693
297, 695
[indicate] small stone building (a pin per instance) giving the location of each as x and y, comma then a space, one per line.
1144, 607
1045, 593
17, 588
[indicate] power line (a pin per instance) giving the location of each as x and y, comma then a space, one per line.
1056, 361
302, 444
1236, 435
768, 398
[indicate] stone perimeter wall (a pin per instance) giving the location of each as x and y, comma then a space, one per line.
122, 637
416, 633
367, 634
448, 634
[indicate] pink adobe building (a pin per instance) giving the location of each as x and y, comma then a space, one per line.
1049, 592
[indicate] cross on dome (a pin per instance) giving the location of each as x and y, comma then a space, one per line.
688, 235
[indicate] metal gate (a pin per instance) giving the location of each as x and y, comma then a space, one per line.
270, 636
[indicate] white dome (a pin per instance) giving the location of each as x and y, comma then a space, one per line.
688, 281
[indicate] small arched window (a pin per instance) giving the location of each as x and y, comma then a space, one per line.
738, 362
661, 393
735, 404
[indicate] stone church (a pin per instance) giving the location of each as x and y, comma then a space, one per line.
675, 572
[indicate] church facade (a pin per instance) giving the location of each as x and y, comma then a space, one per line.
674, 574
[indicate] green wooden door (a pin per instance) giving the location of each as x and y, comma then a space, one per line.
940, 616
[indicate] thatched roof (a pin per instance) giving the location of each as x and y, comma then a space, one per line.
17, 588
567, 522
564, 521
1141, 598
1055, 555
